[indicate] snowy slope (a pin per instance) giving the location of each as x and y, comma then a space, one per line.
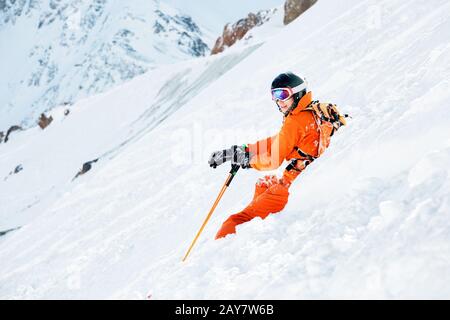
370, 219
56, 52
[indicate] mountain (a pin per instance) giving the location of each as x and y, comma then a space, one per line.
370, 219
246, 27
236, 31
57, 52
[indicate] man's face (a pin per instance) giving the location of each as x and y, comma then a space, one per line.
285, 105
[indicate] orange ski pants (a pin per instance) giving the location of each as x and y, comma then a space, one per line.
270, 196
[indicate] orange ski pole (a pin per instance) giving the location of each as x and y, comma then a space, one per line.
234, 169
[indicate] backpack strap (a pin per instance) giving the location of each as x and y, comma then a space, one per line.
304, 155
305, 161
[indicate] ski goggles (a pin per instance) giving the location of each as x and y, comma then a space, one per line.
284, 94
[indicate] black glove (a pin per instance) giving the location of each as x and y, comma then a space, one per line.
236, 154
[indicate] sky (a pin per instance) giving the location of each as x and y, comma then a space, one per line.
215, 14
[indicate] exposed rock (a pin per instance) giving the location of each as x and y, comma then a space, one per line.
44, 121
233, 33
86, 167
2, 135
16, 170
11, 129
66, 112
4, 232
294, 8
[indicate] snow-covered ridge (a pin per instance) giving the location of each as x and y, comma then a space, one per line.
56, 52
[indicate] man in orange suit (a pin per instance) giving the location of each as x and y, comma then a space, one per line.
298, 142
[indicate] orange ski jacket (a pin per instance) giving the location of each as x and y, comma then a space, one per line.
299, 130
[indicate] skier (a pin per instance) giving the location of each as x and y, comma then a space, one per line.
303, 137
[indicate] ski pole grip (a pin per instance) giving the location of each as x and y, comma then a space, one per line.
234, 169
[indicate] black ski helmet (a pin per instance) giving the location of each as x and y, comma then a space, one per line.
290, 80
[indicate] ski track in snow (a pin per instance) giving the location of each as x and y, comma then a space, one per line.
369, 219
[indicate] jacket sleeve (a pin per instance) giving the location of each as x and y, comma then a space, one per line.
269, 153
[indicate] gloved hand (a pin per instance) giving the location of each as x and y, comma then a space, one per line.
236, 154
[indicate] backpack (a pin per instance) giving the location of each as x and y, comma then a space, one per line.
329, 120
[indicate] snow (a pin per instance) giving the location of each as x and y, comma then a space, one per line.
369, 219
